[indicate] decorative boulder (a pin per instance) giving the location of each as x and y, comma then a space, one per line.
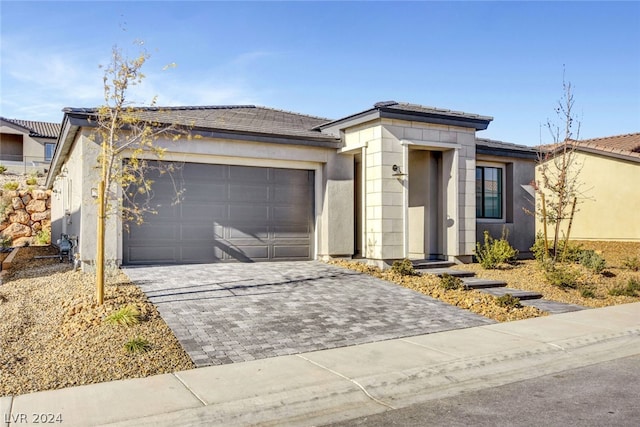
16, 231
36, 206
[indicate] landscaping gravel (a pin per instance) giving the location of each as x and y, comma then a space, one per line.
52, 333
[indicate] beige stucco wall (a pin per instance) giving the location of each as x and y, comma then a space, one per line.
32, 160
610, 206
333, 188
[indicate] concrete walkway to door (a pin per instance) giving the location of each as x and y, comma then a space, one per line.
227, 313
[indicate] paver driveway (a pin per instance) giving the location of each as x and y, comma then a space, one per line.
226, 313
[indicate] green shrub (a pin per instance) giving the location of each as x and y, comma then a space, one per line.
32, 180
495, 252
449, 282
631, 289
537, 249
136, 345
592, 261
127, 315
11, 185
3, 169
43, 237
508, 301
403, 268
571, 254
588, 293
632, 264
5, 242
562, 276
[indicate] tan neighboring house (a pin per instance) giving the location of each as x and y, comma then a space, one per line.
609, 172
396, 180
27, 146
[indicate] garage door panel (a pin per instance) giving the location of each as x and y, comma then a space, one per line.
288, 214
291, 251
196, 253
196, 232
154, 229
292, 232
248, 213
194, 172
248, 193
289, 175
228, 213
211, 212
248, 174
152, 254
205, 192
247, 233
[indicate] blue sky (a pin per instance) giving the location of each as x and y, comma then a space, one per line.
332, 59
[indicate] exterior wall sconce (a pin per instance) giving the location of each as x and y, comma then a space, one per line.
64, 172
397, 171
94, 193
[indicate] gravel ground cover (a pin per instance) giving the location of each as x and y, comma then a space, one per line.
527, 275
52, 334
472, 300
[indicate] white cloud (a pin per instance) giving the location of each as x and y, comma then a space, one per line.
38, 83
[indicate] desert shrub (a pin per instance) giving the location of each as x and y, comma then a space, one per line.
588, 293
508, 301
11, 185
3, 169
32, 180
449, 282
632, 263
43, 237
592, 261
631, 289
537, 249
137, 345
5, 242
403, 267
495, 251
127, 315
572, 253
561, 276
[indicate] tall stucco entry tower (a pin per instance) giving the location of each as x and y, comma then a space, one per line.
414, 180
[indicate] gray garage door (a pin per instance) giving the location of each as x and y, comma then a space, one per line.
228, 213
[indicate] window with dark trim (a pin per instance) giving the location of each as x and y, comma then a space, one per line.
48, 151
489, 192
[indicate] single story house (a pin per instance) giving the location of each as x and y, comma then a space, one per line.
609, 175
26, 145
396, 180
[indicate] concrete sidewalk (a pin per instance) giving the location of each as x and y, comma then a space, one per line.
344, 383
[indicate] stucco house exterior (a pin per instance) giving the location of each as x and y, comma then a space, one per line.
27, 146
609, 174
396, 180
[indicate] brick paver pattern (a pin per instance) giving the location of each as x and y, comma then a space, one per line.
226, 313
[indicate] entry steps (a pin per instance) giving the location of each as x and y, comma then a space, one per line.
496, 288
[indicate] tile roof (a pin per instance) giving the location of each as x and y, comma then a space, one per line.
415, 108
626, 146
627, 143
405, 110
492, 143
37, 129
234, 118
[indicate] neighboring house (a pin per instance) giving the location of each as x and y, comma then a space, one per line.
609, 176
394, 181
27, 146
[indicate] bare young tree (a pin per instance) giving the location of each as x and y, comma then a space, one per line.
128, 138
559, 170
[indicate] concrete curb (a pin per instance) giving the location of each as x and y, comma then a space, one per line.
339, 384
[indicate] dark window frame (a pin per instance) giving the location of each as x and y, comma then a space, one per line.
481, 198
